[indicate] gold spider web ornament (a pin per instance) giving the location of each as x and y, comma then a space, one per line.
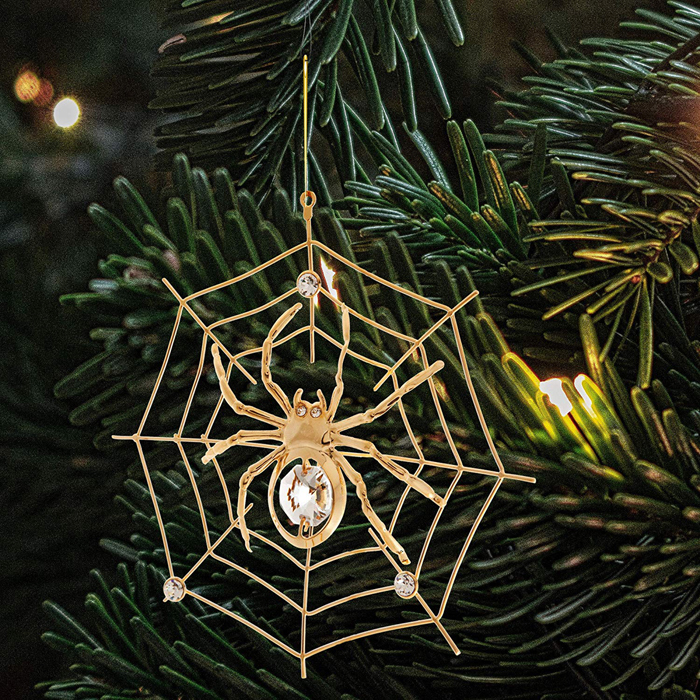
309, 456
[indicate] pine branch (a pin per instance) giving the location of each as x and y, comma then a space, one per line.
232, 75
594, 567
607, 221
617, 125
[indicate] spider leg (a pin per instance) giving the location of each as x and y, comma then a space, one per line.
383, 406
239, 407
339, 385
361, 489
243, 484
273, 388
397, 470
239, 438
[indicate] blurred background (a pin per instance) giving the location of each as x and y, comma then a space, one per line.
61, 59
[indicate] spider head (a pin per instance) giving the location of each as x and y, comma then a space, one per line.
305, 409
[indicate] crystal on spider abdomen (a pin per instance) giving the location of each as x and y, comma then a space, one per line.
306, 492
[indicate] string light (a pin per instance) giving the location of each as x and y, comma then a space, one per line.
587, 400
554, 389
328, 274
66, 113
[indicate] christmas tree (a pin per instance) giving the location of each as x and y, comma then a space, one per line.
577, 220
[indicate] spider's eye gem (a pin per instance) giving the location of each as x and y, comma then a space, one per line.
405, 584
306, 494
315, 412
301, 410
308, 284
174, 589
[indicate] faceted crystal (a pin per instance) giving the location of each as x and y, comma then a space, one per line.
308, 284
315, 412
405, 584
301, 410
174, 590
306, 492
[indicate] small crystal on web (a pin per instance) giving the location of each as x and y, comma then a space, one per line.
306, 492
405, 584
174, 590
308, 284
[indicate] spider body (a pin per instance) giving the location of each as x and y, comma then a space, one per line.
308, 424
309, 432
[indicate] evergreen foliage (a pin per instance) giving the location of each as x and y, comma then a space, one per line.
39, 451
580, 230
234, 82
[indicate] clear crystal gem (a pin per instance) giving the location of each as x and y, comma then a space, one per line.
174, 590
405, 584
301, 410
315, 412
308, 284
306, 492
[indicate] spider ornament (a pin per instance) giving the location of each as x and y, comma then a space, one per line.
313, 449
309, 433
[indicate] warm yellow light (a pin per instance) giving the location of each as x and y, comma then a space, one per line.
328, 275
27, 86
554, 389
66, 113
587, 401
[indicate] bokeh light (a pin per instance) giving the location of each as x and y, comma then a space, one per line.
66, 113
45, 94
27, 86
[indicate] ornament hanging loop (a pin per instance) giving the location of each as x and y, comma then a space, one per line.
308, 200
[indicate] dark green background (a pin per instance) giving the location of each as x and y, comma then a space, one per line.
56, 491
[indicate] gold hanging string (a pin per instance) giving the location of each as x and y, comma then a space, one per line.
307, 37
308, 199
306, 123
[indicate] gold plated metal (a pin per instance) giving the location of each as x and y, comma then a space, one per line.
308, 433
303, 434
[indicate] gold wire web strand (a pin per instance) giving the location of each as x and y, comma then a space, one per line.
446, 319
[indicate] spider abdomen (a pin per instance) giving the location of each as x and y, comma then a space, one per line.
312, 494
